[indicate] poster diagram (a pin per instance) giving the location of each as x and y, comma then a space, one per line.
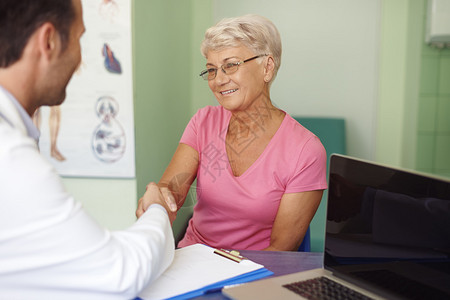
108, 139
92, 133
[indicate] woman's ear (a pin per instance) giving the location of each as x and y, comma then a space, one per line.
269, 68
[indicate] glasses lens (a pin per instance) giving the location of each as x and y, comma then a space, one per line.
212, 73
230, 68
209, 74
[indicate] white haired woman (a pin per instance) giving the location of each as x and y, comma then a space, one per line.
260, 174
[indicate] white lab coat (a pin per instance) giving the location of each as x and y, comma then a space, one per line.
50, 248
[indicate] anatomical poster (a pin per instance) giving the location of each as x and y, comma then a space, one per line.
92, 133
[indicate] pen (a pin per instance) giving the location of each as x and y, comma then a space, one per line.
233, 255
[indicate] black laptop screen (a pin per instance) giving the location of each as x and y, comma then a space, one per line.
389, 220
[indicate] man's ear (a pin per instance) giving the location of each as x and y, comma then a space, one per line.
48, 40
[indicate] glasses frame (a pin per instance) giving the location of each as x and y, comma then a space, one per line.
205, 73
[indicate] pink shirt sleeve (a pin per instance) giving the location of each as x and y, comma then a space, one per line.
310, 172
189, 136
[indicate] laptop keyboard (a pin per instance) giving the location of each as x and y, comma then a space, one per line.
323, 288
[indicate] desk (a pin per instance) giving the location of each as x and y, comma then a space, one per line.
280, 263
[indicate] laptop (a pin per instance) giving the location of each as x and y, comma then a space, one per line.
387, 237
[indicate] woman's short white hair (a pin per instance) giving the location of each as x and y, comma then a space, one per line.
255, 32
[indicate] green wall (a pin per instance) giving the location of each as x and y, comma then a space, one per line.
433, 142
202, 19
433, 130
164, 75
414, 102
392, 100
167, 88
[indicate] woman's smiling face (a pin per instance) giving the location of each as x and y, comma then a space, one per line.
239, 90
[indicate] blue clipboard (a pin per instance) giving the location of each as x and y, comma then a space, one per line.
198, 259
216, 287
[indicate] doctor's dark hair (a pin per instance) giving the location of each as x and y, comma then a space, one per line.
19, 19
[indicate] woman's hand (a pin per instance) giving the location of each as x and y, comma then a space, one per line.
172, 189
156, 195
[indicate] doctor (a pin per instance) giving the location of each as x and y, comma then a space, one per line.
49, 247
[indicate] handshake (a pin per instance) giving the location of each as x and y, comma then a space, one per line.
158, 195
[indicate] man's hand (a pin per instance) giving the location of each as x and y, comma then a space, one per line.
157, 195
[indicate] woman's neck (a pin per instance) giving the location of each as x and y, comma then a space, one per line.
255, 119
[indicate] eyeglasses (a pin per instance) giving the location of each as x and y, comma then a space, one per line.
228, 68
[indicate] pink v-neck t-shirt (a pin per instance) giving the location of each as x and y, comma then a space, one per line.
239, 212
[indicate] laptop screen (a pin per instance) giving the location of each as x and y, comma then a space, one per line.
387, 222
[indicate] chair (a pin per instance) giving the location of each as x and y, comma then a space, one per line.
331, 132
305, 246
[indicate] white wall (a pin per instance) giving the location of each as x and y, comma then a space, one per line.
329, 62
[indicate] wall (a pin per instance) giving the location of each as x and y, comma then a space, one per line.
401, 32
112, 202
202, 19
392, 82
330, 60
414, 103
433, 130
162, 68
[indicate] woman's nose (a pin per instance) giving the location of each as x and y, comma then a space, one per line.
221, 77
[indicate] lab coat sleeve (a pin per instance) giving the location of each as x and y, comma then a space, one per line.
51, 248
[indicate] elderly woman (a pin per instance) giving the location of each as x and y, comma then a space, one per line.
260, 174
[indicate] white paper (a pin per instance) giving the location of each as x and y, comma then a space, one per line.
195, 267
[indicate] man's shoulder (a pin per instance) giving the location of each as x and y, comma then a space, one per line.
11, 138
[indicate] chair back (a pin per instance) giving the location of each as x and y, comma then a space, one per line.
305, 246
331, 132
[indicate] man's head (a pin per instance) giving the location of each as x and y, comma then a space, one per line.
40, 49
20, 19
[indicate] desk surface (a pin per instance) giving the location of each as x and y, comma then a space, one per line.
280, 263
